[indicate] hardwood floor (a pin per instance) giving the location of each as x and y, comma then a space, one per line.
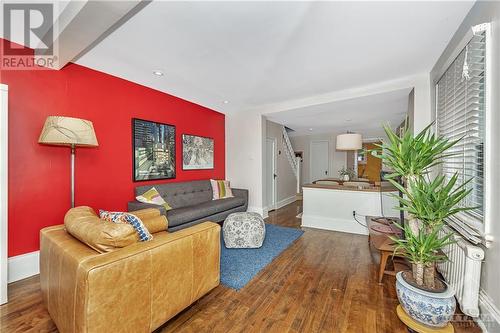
325, 282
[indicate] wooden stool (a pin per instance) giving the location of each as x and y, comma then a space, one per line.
386, 252
414, 326
385, 246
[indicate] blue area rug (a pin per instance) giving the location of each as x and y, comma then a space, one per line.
239, 266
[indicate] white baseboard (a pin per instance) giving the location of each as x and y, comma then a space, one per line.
489, 320
286, 201
23, 266
326, 223
265, 212
279, 204
259, 210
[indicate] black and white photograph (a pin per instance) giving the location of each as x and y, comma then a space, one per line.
154, 150
197, 152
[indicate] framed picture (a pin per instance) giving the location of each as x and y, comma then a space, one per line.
154, 150
197, 152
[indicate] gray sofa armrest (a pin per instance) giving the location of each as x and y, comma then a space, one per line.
241, 193
137, 205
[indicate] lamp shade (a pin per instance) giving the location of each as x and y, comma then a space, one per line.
349, 141
67, 131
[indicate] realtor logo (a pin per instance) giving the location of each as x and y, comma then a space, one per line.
29, 29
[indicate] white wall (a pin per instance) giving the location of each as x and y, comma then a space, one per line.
286, 181
246, 133
244, 162
483, 12
422, 106
337, 158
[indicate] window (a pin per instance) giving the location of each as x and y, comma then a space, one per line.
460, 113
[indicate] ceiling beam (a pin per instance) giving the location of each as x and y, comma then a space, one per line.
83, 24
340, 95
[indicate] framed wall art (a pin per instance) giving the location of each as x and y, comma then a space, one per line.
197, 152
153, 150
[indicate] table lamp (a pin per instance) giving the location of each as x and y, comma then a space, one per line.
71, 132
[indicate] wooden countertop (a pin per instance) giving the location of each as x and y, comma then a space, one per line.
340, 181
352, 188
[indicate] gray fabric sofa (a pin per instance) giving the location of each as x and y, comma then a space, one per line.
192, 203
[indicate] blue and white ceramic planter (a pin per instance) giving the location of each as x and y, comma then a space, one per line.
431, 309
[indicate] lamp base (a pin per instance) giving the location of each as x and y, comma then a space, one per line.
73, 176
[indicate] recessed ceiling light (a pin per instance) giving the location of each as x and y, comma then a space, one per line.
310, 129
226, 102
348, 119
158, 73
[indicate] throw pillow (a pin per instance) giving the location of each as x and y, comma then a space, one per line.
152, 196
221, 189
127, 218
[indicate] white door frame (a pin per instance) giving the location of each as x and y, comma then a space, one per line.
311, 160
275, 180
4, 146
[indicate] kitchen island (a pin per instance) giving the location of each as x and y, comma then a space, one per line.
331, 207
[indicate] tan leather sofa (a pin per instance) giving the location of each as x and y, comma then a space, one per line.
136, 288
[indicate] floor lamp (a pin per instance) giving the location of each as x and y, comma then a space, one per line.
70, 132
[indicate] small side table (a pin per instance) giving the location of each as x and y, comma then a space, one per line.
384, 245
414, 326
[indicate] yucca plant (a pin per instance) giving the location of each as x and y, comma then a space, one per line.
432, 201
428, 202
411, 157
423, 250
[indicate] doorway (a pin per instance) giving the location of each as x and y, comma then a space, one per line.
4, 126
271, 173
369, 166
319, 160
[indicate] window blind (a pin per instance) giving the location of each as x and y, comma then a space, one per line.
460, 113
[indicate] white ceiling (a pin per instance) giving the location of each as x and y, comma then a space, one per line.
364, 115
257, 53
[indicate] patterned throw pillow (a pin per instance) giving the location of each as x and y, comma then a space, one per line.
134, 221
221, 189
152, 196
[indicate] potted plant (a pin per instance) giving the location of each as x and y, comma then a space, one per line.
346, 174
427, 202
411, 157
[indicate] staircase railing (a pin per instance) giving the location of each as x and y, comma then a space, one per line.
290, 154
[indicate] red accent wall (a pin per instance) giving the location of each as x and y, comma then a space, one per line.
39, 176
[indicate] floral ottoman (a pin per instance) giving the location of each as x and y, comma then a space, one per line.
244, 230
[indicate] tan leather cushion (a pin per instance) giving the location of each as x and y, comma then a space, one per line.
152, 219
103, 236
155, 224
146, 213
